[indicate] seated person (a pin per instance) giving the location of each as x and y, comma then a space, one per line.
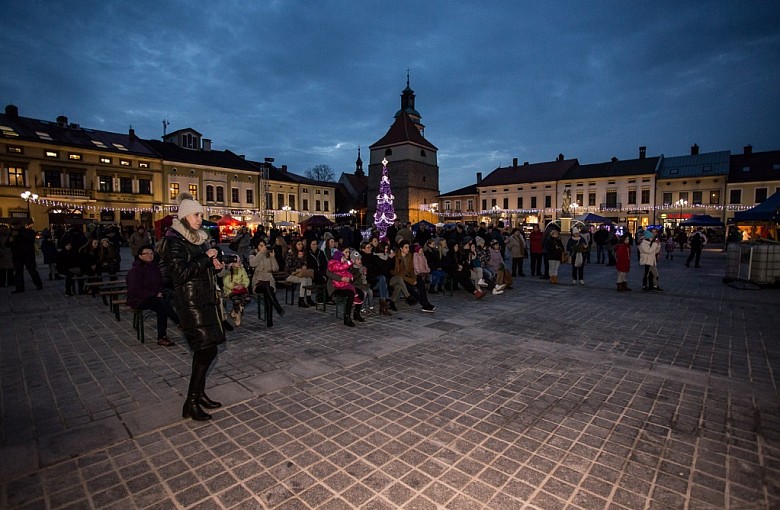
340, 285
235, 283
145, 292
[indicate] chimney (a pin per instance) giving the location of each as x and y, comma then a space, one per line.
284, 169
11, 110
62, 121
560, 157
514, 162
748, 150
525, 163
132, 134
614, 158
642, 152
695, 149
242, 156
206, 144
479, 176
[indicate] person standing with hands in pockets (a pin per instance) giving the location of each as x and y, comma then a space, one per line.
192, 264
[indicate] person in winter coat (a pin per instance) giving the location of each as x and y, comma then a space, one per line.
696, 242
535, 239
554, 248
264, 264
108, 259
421, 272
340, 285
49, 250
313, 262
405, 270
298, 272
192, 264
517, 249
433, 256
648, 254
68, 264
623, 258
139, 238
22, 244
576, 246
145, 292
377, 274
455, 267
235, 283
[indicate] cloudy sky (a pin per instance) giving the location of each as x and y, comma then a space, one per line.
307, 82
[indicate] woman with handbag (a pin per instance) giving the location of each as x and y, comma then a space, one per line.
264, 264
298, 272
576, 247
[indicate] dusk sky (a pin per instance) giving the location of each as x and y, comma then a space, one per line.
308, 82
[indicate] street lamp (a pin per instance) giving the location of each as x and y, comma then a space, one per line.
286, 209
28, 196
681, 202
496, 211
354, 214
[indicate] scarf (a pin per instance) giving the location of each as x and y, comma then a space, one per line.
197, 238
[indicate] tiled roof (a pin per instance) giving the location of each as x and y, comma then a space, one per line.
403, 130
758, 166
471, 189
221, 159
13, 127
698, 165
536, 172
359, 184
305, 180
615, 168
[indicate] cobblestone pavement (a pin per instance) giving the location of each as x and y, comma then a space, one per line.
545, 397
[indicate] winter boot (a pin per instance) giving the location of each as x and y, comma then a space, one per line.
392, 306
192, 409
275, 302
269, 310
310, 302
347, 313
384, 308
620, 287
204, 399
356, 315
302, 303
625, 287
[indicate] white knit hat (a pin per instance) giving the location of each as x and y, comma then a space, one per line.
188, 205
575, 230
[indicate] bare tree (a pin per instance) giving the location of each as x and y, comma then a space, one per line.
322, 173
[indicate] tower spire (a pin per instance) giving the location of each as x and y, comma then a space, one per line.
359, 165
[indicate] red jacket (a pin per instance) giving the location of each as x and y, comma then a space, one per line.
623, 257
536, 241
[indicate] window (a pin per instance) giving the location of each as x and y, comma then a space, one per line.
548, 201
194, 191
105, 183
388, 152
484, 204
16, 176
760, 195
697, 197
326, 205
143, 164
76, 181
715, 196
667, 199
305, 204
317, 205
579, 198
209, 193
291, 201
422, 153
611, 199
52, 154
447, 205
735, 196
145, 186
492, 202
174, 192
519, 202
188, 141
591, 198
305, 190
533, 202
279, 200
250, 196
126, 185
74, 156
683, 195
52, 179
220, 194
632, 196
470, 204
457, 205
326, 192
234, 195
645, 196
124, 162
105, 160
14, 149
506, 203
316, 192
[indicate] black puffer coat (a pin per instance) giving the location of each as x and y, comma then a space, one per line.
192, 273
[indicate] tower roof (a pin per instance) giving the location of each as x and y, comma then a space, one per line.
403, 131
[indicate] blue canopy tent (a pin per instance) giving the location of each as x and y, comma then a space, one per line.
766, 211
592, 218
702, 220
428, 225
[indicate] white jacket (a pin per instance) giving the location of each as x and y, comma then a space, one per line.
648, 251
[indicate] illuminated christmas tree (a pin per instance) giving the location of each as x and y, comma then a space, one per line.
385, 212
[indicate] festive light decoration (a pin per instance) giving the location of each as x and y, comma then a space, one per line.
385, 212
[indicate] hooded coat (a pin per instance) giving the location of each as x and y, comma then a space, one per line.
192, 273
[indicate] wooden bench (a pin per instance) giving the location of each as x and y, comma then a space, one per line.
139, 316
320, 293
289, 291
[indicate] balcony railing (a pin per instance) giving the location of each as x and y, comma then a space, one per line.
67, 192
610, 205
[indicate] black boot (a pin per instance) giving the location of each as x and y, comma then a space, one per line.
204, 399
302, 303
274, 301
432, 290
347, 313
310, 302
392, 306
269, 310
192, 409
356, 315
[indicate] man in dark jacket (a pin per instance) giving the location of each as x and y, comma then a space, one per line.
601, 237
145, 292
22, 243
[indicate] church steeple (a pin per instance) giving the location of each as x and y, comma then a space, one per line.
359, 165
407, 105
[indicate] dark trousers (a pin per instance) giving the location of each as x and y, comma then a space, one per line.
517, 266
546, 267
576, 272
163, 311
20, 264
601, 250
6, 277
464, 280
536, 264
695, 254
647, 279
418, 291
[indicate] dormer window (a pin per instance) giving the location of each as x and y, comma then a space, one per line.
189, 141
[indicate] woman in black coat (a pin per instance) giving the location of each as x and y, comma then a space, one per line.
191, 263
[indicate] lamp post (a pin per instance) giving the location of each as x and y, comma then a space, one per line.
286, 209
681, 202
354, 215
28, 196
496, 211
